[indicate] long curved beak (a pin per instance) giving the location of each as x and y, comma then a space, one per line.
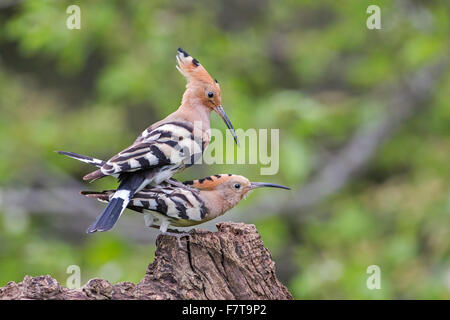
255, 185
219, 110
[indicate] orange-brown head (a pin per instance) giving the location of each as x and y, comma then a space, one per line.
230, 188
201, 88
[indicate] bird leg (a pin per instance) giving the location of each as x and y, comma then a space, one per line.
148, 220
174, 233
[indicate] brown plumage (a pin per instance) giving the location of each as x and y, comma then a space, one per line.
195, 203
164, 148
194, 112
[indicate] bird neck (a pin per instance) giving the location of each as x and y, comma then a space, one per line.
216, 203
194, 111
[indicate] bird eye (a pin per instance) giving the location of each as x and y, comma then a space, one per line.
210, 94
237, 186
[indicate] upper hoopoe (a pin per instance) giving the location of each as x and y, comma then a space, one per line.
166, 147
178, 206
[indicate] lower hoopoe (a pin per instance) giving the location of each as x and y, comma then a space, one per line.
199, 201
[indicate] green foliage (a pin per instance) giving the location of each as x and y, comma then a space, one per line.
310, 68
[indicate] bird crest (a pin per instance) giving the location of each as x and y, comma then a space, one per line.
209, 182
192, 69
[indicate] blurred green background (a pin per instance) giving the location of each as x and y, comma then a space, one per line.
311, 68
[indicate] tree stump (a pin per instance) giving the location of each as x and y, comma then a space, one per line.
231, 263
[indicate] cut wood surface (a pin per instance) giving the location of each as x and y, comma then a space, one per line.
231, 263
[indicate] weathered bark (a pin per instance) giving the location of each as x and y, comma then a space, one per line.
229, 264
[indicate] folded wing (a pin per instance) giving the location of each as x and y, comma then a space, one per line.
172, 143
174, 203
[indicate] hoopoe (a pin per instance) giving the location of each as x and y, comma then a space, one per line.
166, 147
179, 206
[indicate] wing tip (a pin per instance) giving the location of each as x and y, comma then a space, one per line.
97, 174
91, 230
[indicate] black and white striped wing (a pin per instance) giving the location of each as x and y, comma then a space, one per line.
174, 203
169, 144
105, 196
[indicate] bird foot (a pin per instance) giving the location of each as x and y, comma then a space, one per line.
179, 235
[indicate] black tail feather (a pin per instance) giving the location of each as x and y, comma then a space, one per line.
108, 218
